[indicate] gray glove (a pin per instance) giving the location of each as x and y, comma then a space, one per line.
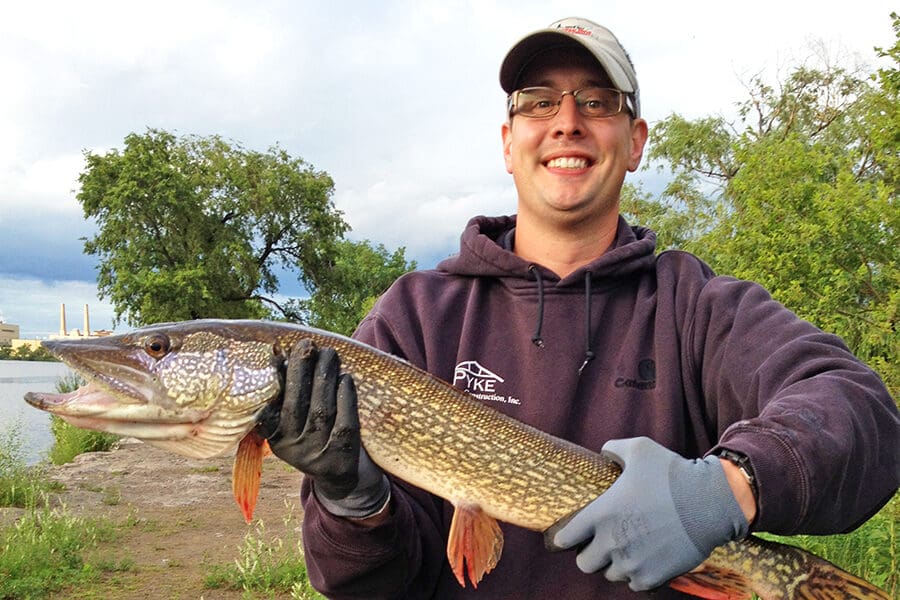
315, 429
661, 518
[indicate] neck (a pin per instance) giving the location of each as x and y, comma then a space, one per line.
563, 250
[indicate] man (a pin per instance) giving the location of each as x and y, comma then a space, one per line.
564, 318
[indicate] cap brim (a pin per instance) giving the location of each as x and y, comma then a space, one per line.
520, 55
529, 47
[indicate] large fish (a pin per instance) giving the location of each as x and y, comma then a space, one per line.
197, 387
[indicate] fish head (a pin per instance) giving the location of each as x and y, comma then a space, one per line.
193, 387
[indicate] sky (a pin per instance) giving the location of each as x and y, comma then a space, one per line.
398, 101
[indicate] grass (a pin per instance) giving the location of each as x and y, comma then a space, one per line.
43, 550
266, 567
20, 485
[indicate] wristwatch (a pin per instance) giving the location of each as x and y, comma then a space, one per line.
743, 464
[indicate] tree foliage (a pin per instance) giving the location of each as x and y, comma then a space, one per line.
197, 227
801, 195
26, 353
359, 274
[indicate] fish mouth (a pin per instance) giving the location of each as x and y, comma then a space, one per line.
129, 392
116, 395
91, 406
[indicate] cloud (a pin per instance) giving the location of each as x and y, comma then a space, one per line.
398, 101
34, 305
427, 223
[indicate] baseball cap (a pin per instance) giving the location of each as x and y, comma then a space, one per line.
574, 31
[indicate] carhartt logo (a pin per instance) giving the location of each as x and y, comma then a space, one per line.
480, 382
646, 379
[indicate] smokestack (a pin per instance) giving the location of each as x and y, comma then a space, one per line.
87, 322
62, 319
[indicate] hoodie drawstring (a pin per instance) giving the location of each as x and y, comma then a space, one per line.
588, 352
536, 338
538, 341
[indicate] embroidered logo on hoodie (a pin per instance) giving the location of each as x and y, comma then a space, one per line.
480, 382
646, 379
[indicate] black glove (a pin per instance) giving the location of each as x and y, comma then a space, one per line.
315, 429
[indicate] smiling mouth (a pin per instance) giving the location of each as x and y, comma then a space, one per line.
568, 162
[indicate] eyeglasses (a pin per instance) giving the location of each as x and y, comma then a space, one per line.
544, 102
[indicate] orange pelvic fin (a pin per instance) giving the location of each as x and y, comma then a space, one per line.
713, 584
247, 471
474, 545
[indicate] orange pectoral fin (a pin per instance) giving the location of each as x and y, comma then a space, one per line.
474, 545
247, 471
713, 584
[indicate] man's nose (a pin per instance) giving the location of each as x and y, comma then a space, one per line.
568, 121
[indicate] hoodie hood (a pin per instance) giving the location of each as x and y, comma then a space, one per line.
486, 251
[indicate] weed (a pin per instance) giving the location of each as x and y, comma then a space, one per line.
90, 487
112, 496
20, 485
43, 551
209, 469
266, 566
113, 565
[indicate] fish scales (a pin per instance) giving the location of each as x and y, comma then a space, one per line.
196, 387
438, 438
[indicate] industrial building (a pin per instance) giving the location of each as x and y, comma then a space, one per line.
9, 333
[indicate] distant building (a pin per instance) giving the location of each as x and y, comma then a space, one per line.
65, 333
8, 333
30, 344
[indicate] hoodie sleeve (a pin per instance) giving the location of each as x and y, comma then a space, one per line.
400, 558
820, 429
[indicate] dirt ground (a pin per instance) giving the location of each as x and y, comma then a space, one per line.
177, 518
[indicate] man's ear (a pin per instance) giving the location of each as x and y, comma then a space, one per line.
506, 133
638, 140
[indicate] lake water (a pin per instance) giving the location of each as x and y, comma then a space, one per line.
16, 378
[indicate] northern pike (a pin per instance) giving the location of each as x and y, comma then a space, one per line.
197, 387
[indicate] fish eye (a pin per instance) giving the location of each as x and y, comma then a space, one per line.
157, 345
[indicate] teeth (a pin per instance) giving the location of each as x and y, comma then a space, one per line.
568, 162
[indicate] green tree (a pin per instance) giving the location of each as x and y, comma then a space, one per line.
26, 353
801, 195
197, 227
359, 274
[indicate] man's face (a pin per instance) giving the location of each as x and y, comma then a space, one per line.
569, 168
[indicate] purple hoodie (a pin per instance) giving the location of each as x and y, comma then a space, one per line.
692, 360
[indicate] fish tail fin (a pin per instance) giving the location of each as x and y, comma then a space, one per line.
474, 545
247, 471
